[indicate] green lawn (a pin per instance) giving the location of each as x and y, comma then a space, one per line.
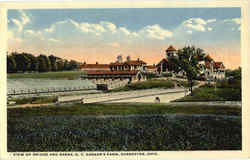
49, 75
34, 100
146, 85
122, 109
154, 127
211, 94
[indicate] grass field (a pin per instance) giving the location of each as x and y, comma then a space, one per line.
146, 85
116, 127
119, 133
48, 75
122, 109
34, 100
210, 94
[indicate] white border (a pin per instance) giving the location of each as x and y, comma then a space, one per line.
135, 4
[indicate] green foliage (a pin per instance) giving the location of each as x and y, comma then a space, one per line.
42, 64
235, 74
188, 61
25, 62
11, 64
166, 74
119, 133
208, 93
146, 85
122, 109
35, 100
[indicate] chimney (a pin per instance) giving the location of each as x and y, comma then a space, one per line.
84, 62
119, 58
128, 58
138, 59
96, 62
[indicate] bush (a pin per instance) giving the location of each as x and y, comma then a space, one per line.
146, 85
167, 74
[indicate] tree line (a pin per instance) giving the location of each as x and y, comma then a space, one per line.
26, 62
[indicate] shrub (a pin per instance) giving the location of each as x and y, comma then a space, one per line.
166, 74
146, 85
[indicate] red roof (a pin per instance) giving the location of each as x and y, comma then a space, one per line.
207, 64
116, 64
208, 58
133, 72
218, 65
163, 60
94, 66
171, 48
215, 64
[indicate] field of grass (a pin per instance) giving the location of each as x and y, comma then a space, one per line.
48, 75
34, 100
146, 85
210, 94
122, 109
116, 127
124, 133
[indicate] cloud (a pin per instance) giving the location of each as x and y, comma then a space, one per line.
53, 40
24, 18
211, 20
198, 24
22, 21
156, 32
18, 24
109, 26
29, 31
124, 30
233, 20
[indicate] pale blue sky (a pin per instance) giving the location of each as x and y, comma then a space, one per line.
139, 32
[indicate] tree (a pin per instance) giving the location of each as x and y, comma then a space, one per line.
53, 60
11, 64
22, 62
42, 64
46, 61
73, 65
66, 65
60, 65
188, 60
34, 62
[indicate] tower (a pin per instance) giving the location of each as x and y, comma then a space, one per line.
170, 52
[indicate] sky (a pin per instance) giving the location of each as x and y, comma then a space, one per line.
100, 35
